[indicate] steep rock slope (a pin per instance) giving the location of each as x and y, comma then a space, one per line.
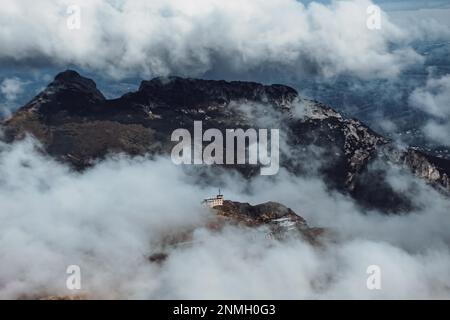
280, 220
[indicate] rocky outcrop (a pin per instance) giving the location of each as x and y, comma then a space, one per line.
280, 220
275, 221
430, 168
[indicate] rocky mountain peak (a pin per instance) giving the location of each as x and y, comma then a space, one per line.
72, 81
69, 92
76, 124
67, 75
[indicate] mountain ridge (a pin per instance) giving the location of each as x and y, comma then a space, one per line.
78, 125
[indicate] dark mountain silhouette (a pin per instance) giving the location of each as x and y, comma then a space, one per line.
76, 124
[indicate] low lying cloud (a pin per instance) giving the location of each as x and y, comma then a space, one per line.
52, 218
193, 37
109, 219
295, 270
10, 89
434, 99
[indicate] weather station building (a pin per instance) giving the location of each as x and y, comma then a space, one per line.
214, 202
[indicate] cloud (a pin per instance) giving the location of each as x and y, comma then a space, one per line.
151, 38
110, 218
295, 270
434, 99
11, 88
54, 218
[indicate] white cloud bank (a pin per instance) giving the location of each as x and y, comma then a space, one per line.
110, 218
434, 99
10, 89
191, 37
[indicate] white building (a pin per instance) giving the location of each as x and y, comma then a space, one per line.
213, 202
